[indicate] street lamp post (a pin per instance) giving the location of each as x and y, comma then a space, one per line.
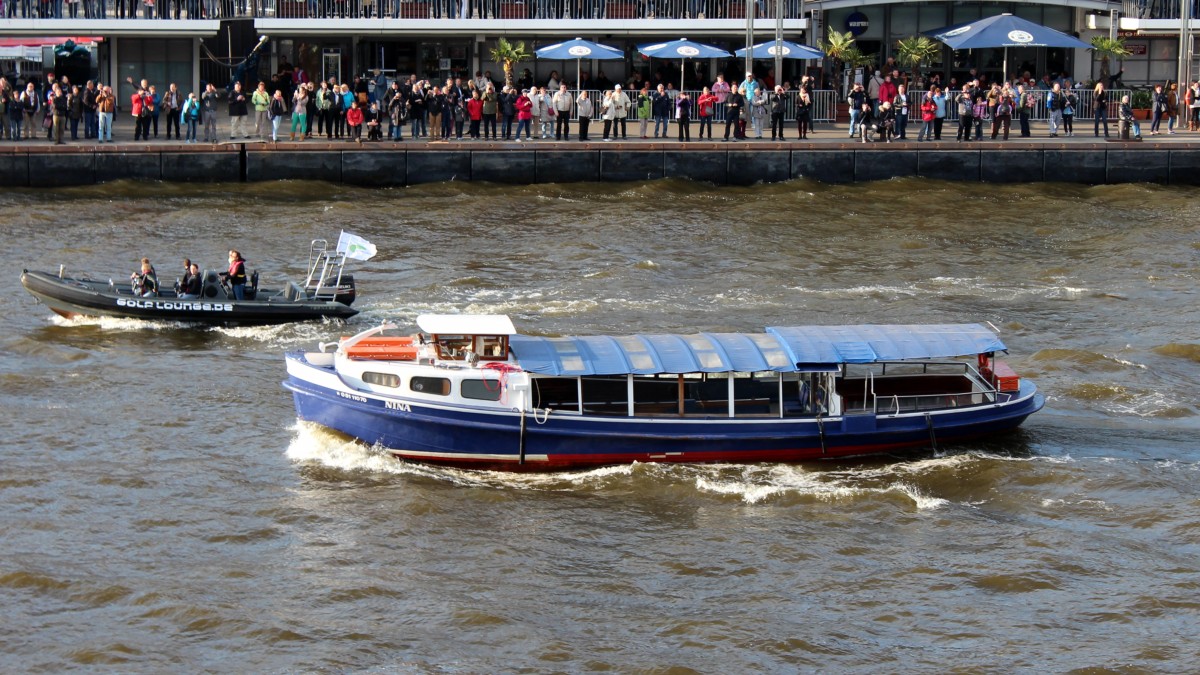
1185, 57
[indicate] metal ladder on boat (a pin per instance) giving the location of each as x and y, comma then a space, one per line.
324, 270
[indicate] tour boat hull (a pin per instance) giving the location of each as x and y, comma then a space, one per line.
457, 435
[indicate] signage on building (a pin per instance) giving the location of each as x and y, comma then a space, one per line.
1136, 50
857, 23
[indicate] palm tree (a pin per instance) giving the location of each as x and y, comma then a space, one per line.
916, 50
509, 54
1108, 48
838, 45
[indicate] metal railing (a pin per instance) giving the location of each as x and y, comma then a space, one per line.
398, 9
1155, 9
1084, 109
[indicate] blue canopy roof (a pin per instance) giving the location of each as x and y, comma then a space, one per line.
579, 49
1004, 30
682, 48
788, 50
781, 349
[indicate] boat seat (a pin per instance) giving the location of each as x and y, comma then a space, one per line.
293, 293
210, 287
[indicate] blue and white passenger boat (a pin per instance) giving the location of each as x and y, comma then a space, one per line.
469, 391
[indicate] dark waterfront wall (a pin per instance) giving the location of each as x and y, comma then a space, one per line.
741, 164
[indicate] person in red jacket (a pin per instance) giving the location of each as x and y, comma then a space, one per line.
142, 107
524, 114
354, 120
887, 91
704, 110
475, 113
928, 114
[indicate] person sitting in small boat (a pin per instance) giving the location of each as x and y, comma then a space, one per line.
145, 281
236, 274
189, 289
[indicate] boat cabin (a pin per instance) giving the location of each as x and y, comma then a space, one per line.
470, 338
784, 373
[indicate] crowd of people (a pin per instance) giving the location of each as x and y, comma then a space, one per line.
290, 107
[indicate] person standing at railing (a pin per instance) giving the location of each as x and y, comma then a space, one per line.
856, 99
1070, 102
660, 103
562, 113
721, 90
491, 106
1100, 103
683, 117
208, 106
546, 121
584, 111
803, 114
777, 104
900, 105
1158, 108
928, 115
1172, 107
1055, 102
524, 114
1194, 106
261, 100
237, 112
621, 107
1003, 111
645, 107
939, 102
704, 110
607, 114
508, 111
1026, 104
733, 114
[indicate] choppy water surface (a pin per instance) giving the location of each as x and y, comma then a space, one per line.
163, 511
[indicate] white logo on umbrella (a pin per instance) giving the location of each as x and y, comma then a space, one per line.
579, 50
1020, 36
778, 49
687, 51
956, 32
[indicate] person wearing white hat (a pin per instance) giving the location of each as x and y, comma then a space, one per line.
621, 104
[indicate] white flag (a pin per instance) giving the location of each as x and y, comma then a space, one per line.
355, 247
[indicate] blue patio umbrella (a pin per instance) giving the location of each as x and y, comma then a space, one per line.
789, 50
578, 49
682, 49
1004, 30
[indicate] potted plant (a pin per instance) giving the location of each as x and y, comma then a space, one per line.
1140, 102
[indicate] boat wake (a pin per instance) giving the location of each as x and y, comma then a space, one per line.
116, 324
908, 484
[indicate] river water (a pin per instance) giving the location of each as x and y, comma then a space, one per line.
164, 511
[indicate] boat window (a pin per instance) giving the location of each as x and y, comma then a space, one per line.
438, 386
481, 390
491, 347
453, 346
559, 393
381, 379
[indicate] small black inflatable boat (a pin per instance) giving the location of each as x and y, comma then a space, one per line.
326, 293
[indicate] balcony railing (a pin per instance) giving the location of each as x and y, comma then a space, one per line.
1156, 9
697, 10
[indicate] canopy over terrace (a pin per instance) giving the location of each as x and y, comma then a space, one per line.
1004, 30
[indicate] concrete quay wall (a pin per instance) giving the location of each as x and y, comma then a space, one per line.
744, 164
